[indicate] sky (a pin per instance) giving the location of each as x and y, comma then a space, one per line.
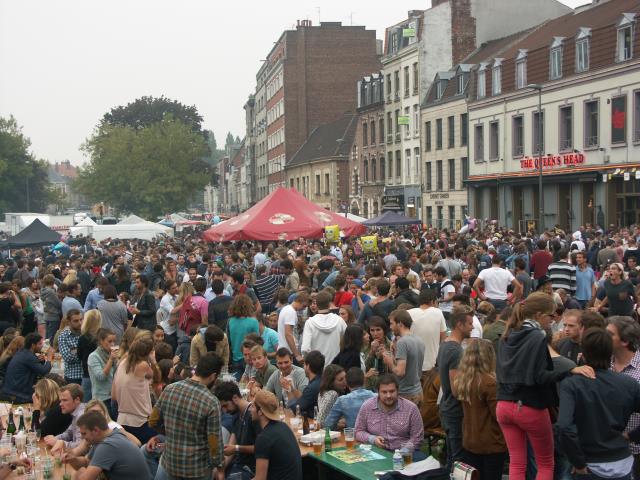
65, 63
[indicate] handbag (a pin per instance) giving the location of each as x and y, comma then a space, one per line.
462, 471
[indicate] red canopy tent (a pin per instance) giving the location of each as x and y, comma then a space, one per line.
284, 214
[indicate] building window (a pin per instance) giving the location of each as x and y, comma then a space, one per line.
390, 165
373, 132
518, 136
439, 89
427, 136
479, 143
416, 154
366, 170
374, 174
428, 179
407, 120
461, 81
482, 82
521, 69
429, 214
327, 190
439, 210
407, 158
439, 134
538, 133
636, 116
625, 37
381, 130
619, 119
396, 84
464, 130
452, 215
398, 164
451, 132
365, 133
416, 120
494, 146
383, 172
465, 170
388, 86
591, 124
406, 81
566, 128
555, 65
452, 174
439, 176
582, 55
496, 80
389, 128
415, 78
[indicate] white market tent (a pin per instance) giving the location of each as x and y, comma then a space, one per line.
131, 227
355, 218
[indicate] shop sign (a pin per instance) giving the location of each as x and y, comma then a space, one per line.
403, 120
393, 202
408, 32
552, 161
411, 201
434, 196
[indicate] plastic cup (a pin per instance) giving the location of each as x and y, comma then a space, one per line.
349, 437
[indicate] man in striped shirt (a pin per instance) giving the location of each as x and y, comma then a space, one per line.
562, 273
266, 287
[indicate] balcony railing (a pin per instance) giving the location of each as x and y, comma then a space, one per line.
591, 141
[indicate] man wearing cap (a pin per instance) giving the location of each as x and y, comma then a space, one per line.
359, 297
276, 449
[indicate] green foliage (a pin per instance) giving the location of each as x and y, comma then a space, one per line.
20, 171
146, 111
148, 170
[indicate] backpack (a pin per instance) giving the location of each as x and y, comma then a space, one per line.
189, 314
592, 256
439, 289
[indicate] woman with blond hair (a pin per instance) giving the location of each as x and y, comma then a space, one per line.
131, 388
46, 408
475, 387
91, 323
526, 385
70, 277
242, 321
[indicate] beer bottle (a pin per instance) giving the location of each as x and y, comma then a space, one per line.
11, 426
327, 440
21, 427
305, 425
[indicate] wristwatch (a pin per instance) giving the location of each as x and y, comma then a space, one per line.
237, 448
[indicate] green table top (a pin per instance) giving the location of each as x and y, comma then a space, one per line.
359, 470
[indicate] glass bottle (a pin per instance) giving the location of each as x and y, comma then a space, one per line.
327, 440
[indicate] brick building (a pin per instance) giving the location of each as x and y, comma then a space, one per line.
307, 80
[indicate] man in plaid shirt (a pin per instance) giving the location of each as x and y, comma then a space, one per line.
68, 346
190, 416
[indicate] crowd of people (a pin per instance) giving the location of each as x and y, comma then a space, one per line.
180, 359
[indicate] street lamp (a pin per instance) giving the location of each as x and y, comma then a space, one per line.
538, 87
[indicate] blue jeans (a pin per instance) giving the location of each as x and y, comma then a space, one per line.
453, 428
498, 304
593, 476
51, 329
152, 458
162, 474
86, 389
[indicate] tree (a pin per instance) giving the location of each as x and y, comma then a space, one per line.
229, 141
150, 170
146, 111
25, 180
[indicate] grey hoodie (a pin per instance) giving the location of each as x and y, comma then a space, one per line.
52, 305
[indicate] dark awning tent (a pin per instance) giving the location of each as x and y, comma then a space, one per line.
35, 235
391, 219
